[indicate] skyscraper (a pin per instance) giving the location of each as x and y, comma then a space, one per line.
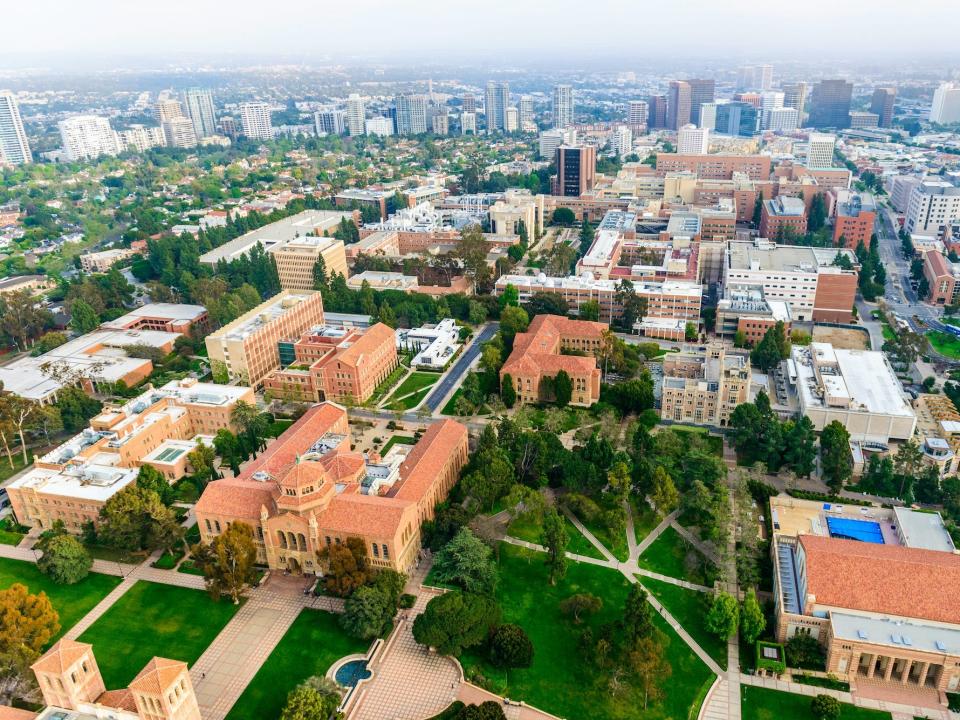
946, 104
496, 102
330, 122
14, 148
765, 76
795, 96
165, 110
820, 151
356, 115
622, 141
179, 132
255, 120
528, 122
692, 140
637, 112
755, 77
658, 111
468, 123
882, 105
512, 120
87, 136
701, 91
769, 101
469, 103
411, 114
200, 110
830, 104
562, 106
737, 118
576, 170
678, 104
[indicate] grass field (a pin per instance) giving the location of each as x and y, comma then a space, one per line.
71, 602
383, 388
10, 537
397, 439
18, 464
531, 531
155, 620
560, 681
945, 344
411, 401
644, 518
690, 608
714, 443
666, 556
615, 542
414, 382
763, 704
312, 644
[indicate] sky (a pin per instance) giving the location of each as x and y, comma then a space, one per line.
75, 33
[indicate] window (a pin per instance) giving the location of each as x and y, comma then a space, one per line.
386, 553
376, 550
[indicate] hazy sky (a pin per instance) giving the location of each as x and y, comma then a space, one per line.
58, 32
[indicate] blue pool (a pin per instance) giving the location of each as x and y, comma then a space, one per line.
349, 674
849, 529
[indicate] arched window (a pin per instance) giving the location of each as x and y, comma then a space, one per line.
282, 538
292, 540
301, 542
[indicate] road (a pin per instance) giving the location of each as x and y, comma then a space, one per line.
901, 300
454, 376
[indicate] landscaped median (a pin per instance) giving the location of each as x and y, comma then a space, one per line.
763, 704
412, 390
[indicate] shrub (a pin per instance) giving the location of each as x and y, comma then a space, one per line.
407, 601
510, 647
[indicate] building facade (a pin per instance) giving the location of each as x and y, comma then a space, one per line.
14, 147
562, 106
830, 104
200, 110
255, 120
704, 387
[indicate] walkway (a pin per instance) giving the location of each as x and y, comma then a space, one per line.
451, 379
470, 694
699, 544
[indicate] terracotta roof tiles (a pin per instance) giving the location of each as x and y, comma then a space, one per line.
422, 466
61, 656
158, 675
119, 699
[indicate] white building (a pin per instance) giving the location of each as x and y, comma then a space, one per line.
550, 140
769, 100
440, 124
946, 104
255, 120
901, 187
179, 132
435, 345
356, 115
708, 116
379, 126
330, 122
468, 123
167, 109
820, 148
562, 106
138, 138
528, 122
14, 148
496, 102
87, 136
622, 141
692, 140
411, 114
638, 112
932, 206
511, 123
200, 110
783, 119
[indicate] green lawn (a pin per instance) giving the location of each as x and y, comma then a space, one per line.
312, 644
411, 401
644, 518
6, 471
616, 543
690, 609
531, 531
401, 439
559, 681
451, 407
9, 537
383, 388
714, 443
888, 333
278, 427
945, 344
666, 556
763, 704
414, 382
155, 620
72, 602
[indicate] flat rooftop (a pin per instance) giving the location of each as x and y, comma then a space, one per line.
766, 256
259, 316
575, 282
902, 634
90, 481
277, 234
165, 311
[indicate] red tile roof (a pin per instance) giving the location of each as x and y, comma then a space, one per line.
10, 713
61, 656
296, 440
538, 350
889, 579
236, 498
421, 467
158, 675
360, 515
119, 699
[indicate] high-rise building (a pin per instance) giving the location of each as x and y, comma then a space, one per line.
708, 115
228, 126
622, 141
356, 115
200, 110
179, 132
87, 136
794, 95
255, 120
550, 140
701, 91
512, 120
637, 112
737, 118
380, 126
411, 114
562, 106
820, 148
440, 123
882, 105
14, 148
576, 170
138, 138
755, 77
861, 119
946, 104
167, 110
765, 76
932, 207
528, 122
469, 103
769, 100
783, 119
830, 104
658, 111
496, 102
692, 140
678, 104
330, 122
468, 123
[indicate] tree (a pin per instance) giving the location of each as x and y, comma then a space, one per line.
320, 273
308, 701
251, 426
637, 615
757, 210
651, 668
201, 460
228, 562
466, 562
27, 624
563, 216
774, 347
488, 710
817, 214
136, 519
562, 388
580, 604
664, 493
835, 458
804, 651
455, 621
65, 560
800, 452
508, 392
83, 318
513, 320
509, 297
825, 707
752, 620
555, 538
150, 478
347, 566
724, 616
510, 647
76, 407
367, 612
471, 251
22, 319
634, 306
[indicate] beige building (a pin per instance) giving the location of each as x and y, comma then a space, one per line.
704, 387
34, 284
246, 349
103, 261
295, 260
517, 206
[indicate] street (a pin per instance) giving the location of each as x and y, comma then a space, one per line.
454, 376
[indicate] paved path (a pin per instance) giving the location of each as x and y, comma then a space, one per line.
696, 542
451, 379
653, 535
589, 535
717, 703
733, 644
472, 695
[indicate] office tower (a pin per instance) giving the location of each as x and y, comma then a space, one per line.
330, 122
830, 104
576, 170
550, 140
622, 141
87, 136
356, 115
562, 106
511, 123
411, 114
228, 126
440, 123
860, 119
755, 77
380, 126
528, 122
496, 102
701, 91
468, 123
658, 111
748, 97
820, 151
179, 132
708, 115
138, 138
794, 95
14, 148
255, 120
783, 119
469, 103
200, 110
678, 104
932, 207
692, 140
737, 118
637, 112
764, 75
769, 100
167, 110
946, 104
882, 105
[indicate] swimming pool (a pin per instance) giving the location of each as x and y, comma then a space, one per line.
850, 529
350, 673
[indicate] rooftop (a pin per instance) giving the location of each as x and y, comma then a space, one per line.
260, 316
923, 530
161, 311
764, 255
277, 234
